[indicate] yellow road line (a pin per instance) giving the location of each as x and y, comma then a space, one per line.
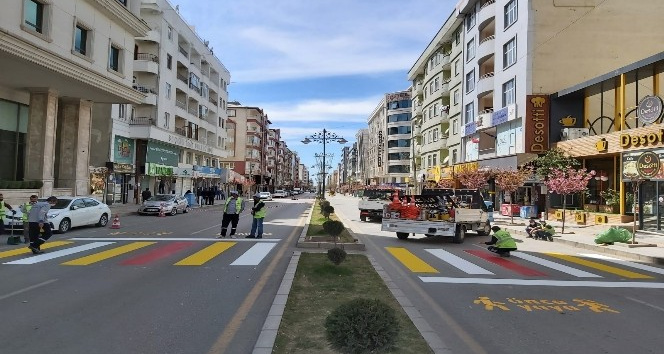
25, 250
411, 261
97, 257
206, 254
600, 266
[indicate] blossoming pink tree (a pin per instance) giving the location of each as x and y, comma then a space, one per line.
568, 181
445, 183
473, 179
510, 180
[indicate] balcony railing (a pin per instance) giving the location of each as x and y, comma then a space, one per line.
141, 121
181, 131
145, 89
183, 51
181, 104
183, 78
147, 56
213, 101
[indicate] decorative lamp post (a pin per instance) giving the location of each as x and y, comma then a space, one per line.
323, 137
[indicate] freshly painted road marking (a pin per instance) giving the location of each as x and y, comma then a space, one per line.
600, 266
556, 266
98, 257
65, 252
411, 261
540, 282
2, 297
209, 239
206, 254
496, 259
625, 263
458, 262
255, 254
25, 250
158, 253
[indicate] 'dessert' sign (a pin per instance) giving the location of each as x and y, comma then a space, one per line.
536, 127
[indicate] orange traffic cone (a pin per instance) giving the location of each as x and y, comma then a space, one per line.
116, 222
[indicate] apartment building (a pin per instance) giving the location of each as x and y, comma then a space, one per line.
363, 150
437, 78
60, 62
272, 166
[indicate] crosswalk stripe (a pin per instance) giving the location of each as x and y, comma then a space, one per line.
542, 282
411, 261
206, 254
556, 266
60, 253
458, 262
255, 254
97, 257
625, 263
495, 259
158, 253
602, 267
25, 250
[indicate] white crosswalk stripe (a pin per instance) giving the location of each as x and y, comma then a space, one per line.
61, 253
625, 263
255, 254
556, 266
458, 262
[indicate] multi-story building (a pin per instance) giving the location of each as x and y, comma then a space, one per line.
63, 64
436, 89
376, 166
363, 151
178, 130
272, 160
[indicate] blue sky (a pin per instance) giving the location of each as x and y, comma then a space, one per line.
316, 64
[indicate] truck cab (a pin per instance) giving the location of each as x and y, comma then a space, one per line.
372, 202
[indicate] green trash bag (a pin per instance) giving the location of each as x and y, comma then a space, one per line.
614, 234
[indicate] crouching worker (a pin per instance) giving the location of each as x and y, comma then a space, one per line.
501, 242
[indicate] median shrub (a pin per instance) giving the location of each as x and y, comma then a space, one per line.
327, 210
336, 255
362, 326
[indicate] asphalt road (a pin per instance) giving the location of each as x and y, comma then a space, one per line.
547, 298
156, 285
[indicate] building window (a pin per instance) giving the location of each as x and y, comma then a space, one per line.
510, 13
123, 2
122, 111
456, 97
168, 90
470, 49
455, 126
169, 61
170, 33
456, 68
457, 36
470, 81
435, 160
33, 15
82, 38
114, 58
470, 20
509, 53
436, 84
167, 119
469, 113
454, 157
509, 93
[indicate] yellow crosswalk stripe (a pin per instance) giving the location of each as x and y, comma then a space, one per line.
25, 250
97, 257
411, 261
600, 266
206, 254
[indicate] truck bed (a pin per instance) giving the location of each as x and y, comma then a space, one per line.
430, 228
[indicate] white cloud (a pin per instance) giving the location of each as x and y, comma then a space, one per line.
311, 111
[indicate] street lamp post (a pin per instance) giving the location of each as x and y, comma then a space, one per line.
323, 137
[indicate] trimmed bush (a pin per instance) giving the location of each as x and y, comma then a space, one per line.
327, 210
324, 204
362, 326
333, 227
336, 255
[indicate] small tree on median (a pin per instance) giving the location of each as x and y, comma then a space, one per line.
568, 181
510, 180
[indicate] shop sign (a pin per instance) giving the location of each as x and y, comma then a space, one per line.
123, 168
649, 109
446, 173
162, 154
183, 172
123, 150
537, 124
154, 169
645, 165
470, 128
503, 115
469, 166
634, 140
207, 170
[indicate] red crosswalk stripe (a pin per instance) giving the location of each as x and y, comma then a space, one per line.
157, 253
505, 263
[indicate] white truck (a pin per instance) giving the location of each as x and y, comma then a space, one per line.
442, 212
373, 200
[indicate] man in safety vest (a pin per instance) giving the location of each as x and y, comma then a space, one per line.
4, 208
232, 209
25, 209
501, 242
258, 211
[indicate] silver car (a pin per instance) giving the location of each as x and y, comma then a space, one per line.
170, 203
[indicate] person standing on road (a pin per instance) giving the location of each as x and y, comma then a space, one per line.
25, 209
232, 209
146, 194
4, 207
259, 211
501, 242
39, 227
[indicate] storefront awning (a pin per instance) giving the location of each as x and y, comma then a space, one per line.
507, 162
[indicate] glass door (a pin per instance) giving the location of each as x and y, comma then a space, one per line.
648, 203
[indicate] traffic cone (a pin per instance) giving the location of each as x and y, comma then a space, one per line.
116, 222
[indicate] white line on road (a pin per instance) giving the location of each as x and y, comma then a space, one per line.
645, 303
458, 262
176, 239
556, 266
625, 263
27, 289
61, 253
562, 283
255, 254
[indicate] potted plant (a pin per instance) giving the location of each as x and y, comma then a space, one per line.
612, 200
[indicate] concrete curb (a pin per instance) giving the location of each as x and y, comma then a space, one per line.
302, 243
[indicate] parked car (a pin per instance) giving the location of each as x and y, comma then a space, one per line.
71, 212
280, 193
171, 203
266, 195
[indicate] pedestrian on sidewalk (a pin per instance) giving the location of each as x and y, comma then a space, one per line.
146, 194
162, 186
501, 242
259, 210
232, 209
25, 209
545, 232
39, 227
4, 207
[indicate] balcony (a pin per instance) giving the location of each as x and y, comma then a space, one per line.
484, 85
151, 94
486, 49
153, 36
146, 63
141, 121
417, 130
486, 14
418, 89
418, 110
446, 62
183, 51
483, 119
445, 88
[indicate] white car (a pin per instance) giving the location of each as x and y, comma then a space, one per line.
265, 195
280, 193
71, 212
171, 203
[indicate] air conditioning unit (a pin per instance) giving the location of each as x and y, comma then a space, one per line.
574, 133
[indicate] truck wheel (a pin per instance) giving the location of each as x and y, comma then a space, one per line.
363, 218
402, 235
460, 234
486, 230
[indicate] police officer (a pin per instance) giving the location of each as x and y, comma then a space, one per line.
232, 209
501, 242
259, 211
25, 209
4, 208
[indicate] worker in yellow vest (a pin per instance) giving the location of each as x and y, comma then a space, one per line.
25, 209
501, 242
4, 209
259, 210
232, 209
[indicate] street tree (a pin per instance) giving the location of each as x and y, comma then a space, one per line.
566, 181
445, 183
473, 179
510, 180
551, 160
